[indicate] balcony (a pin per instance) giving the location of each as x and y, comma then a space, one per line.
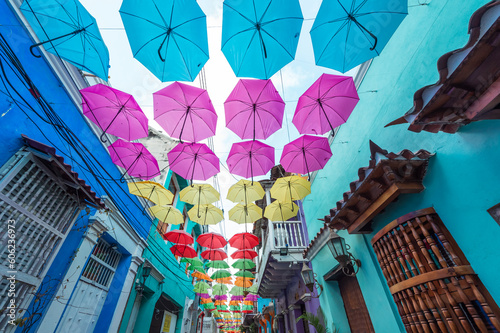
280, 258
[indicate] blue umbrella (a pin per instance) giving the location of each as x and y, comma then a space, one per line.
347, 33
259, 37
67, 30
169, 37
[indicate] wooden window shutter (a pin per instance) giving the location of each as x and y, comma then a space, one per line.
434, 287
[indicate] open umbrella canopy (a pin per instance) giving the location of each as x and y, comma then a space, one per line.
226, 280
306, 154
196, 262
250, 158
278, 211
237, 291
259, 37
134, 158
151, 191
201, 287
245, 191
183, 251
254, 109
347, 33
200, 276
288, 189
208, 214
198, 194
211, 240
168, 37
220, 274
244, 254
218, 264
244, 274
325, 105
178, 237
185, 112
243, 264
253, 289
167, 214
216, 254
244, 240
243, 282
193, 161
67, 30
198, 268
114, 111
245, 214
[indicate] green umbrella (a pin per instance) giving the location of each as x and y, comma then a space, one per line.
234, 308
245, 274
209, 306
220, 288
246, 307
253, 289
221, 274
237, 291
218, 264
198, 268
243, 264
196, 262
201, 287
186, 260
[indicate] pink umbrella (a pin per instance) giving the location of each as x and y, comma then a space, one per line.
185, 112
306, 154
250, 158
254, 109
325, 105
134, 158
193, 161
115, 112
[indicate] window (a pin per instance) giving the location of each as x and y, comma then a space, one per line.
495, 213
43, 210
433, 285
173, 187
101, 266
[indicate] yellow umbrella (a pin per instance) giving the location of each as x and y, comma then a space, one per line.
245, 214
167, 214
208, 214
287, 189
199, 194
151, 191
245, 191
278, 211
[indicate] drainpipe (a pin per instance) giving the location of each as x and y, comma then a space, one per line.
202, 315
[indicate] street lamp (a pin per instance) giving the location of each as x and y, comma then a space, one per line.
340, 251
309, 278
146, 271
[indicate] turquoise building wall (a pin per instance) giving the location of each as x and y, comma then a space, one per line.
462, 180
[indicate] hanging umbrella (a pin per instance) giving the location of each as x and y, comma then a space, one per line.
169, 38
211, 240
222, 273
115, 112
278, 211
325, 105
178, 237
244, 240
193, 161
196, 262
209, 214
220, 289
220, 302
218, 264
244, 274
198, 194
67, 30
134, 158
254, 109
237, 291
244, 254
245, 191
214, 254
205, 300
185, 112
151, 191
252, 297
245, 214
201, 276
259, 37
347, 33
198, 268
288, 189
306, 154
243, 264
186, 260
183, 251
226, 280
250, 158
167, 214
253, 289
201, 287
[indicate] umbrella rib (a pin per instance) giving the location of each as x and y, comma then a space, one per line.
145, 19
188, 40
188, 21
182, 55
331, 39
237, 12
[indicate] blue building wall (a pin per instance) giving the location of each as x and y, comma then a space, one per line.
462, 179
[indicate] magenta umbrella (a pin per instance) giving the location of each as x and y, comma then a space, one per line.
325, 105
115, 112
250, 158
193, 161
254, 109
185, 112
306, 154
134, 158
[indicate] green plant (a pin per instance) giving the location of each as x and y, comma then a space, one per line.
316, 322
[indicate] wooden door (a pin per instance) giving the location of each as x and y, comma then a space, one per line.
355, 307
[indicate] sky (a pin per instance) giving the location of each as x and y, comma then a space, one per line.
129, 75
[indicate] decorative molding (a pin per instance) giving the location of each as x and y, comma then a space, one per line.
155, 273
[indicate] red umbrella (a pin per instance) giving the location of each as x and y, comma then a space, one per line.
216, 254
244, 240
185, 251
211, 240
179, 237
244, 254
